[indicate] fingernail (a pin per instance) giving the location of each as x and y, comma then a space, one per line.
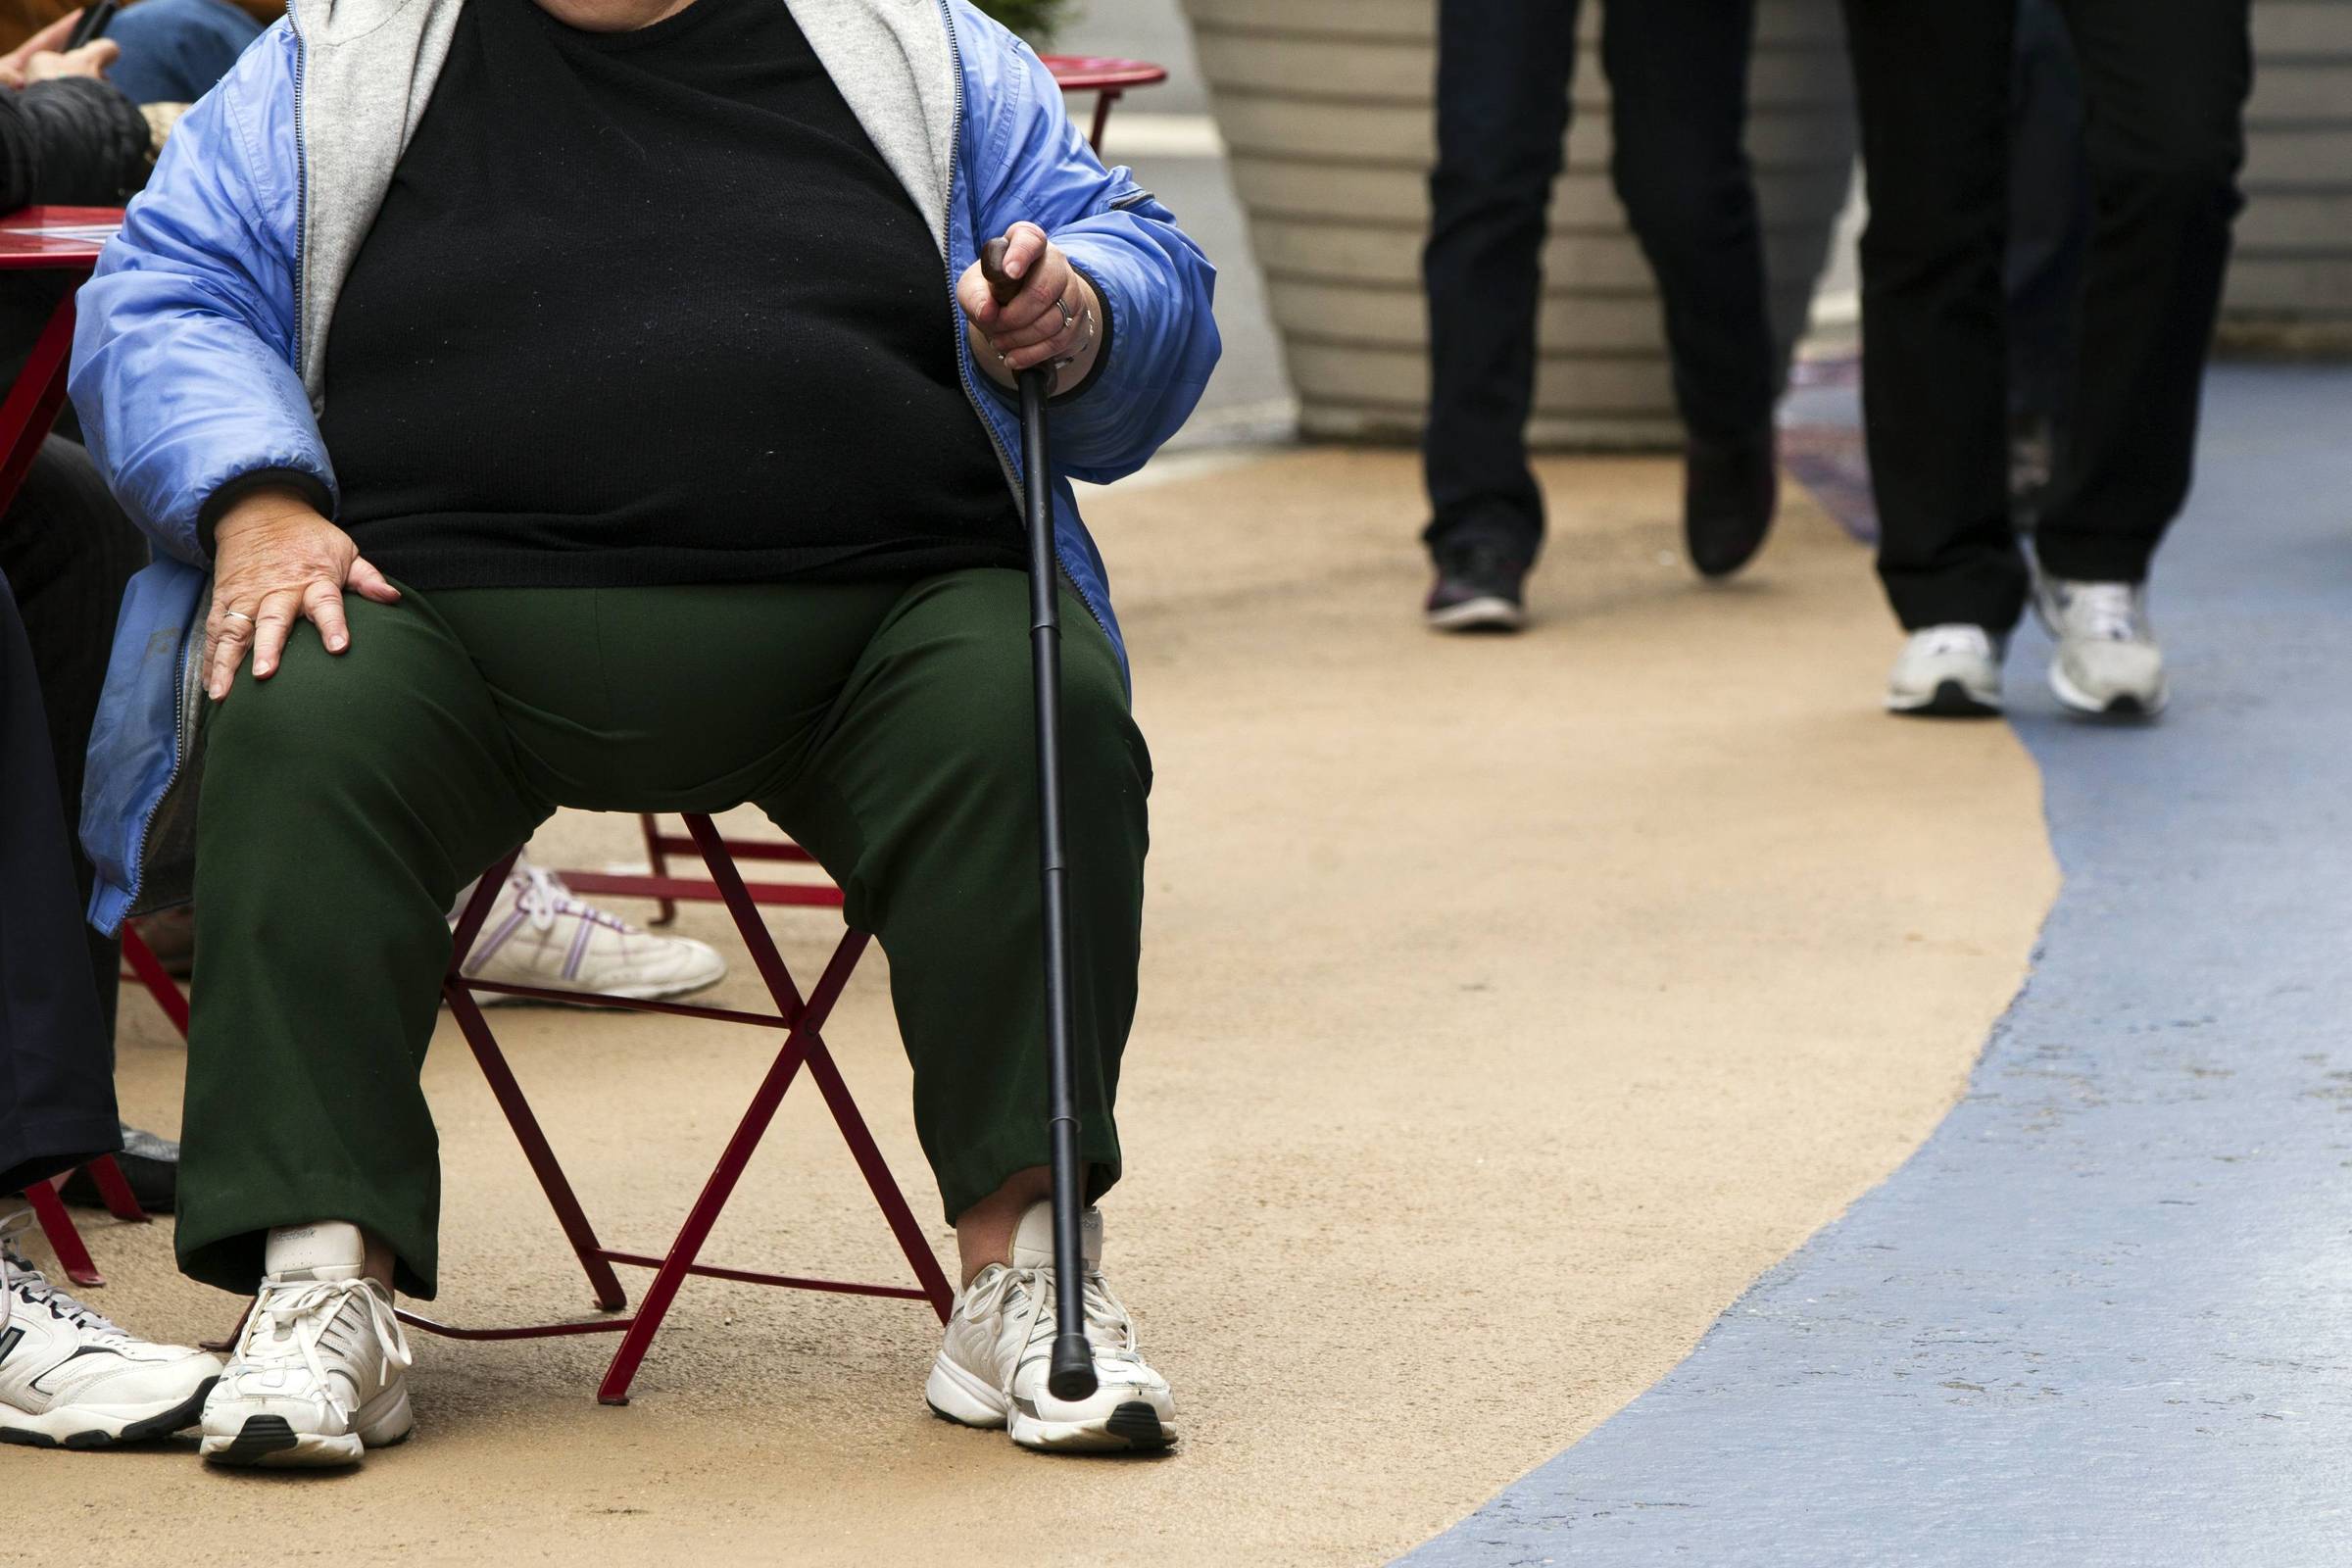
336, 642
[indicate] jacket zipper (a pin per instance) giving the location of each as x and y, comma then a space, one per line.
963, 346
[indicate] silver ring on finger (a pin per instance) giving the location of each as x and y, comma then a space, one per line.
1069, 318
236, 615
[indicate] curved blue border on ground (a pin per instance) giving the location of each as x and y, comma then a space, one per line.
2104, 1316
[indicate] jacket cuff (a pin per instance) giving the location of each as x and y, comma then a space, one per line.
208, 518
1094, 372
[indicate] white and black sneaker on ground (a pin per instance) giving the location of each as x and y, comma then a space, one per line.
319, 1372
991, 1369
69, 1379
1949, 671
2107, 665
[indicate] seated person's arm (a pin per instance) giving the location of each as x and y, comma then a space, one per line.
184, 373
1155, 334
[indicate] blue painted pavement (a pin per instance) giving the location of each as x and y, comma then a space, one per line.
2104, 1316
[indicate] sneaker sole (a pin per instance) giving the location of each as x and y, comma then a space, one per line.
269, 1441
137, 1429
1949, 699
645, 992
955, 1396
2125, 708
1479, 614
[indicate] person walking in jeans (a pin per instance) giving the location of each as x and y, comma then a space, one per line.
2163, 88
1678, 83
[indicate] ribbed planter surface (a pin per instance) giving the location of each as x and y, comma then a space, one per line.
1327, 112
2290, 282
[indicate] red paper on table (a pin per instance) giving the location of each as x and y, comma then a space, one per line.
56, 236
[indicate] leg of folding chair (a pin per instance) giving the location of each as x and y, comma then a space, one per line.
770, 965
508, 1094
64, 1239
114, 1189
159, 985
656, 857
806, 1020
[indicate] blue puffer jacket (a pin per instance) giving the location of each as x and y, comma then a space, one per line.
189, 369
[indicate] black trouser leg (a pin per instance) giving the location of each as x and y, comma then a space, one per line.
1678, 96
2164, 86
57, 1096
68, 550
1502, 111
2050, 213
1931, 82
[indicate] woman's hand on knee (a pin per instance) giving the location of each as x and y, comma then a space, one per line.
276, 561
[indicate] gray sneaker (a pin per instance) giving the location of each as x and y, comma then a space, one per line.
2107, 665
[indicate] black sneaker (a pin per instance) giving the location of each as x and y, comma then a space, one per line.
1480, 587
1728, 493
150, 1165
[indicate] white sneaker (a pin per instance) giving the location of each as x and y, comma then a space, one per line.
2107, 662
71, 1379
1951, 671
319, 1372
538, 934
991, 1369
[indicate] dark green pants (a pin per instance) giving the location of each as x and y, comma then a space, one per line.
888, 727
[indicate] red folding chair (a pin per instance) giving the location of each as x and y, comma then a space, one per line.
803, 1022
57, 1223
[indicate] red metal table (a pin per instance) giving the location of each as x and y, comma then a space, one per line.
45, 239
1106, 78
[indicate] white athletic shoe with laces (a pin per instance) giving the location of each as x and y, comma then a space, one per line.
319, 1372
71, 1379
1949, 671
2107, 663
991, 1369
539, 934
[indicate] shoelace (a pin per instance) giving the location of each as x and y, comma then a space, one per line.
542, 896
2101, 610
289, 1321
19, 1278
1109, 1328
1956, 639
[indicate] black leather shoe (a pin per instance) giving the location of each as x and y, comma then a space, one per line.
1480, 587
150, 1165
1728, 497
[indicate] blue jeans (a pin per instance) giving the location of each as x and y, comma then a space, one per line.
175, 50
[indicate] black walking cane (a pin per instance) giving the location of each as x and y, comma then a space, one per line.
1070, 1375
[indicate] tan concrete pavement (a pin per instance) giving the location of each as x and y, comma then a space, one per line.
1508, 1006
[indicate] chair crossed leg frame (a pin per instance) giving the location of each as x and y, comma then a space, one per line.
803, 1022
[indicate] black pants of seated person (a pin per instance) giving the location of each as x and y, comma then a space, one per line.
57, 1096
67, 552
1678, 85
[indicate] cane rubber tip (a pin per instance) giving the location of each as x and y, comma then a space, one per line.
1072, 1374
1001, 285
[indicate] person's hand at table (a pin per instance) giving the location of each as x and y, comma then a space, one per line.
276, 562
1056, 317
43, 57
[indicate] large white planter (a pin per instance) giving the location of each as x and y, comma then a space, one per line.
2290, 280
1326, 107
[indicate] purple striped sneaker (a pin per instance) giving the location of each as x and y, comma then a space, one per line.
538, 934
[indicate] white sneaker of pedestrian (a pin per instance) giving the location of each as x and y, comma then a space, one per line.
991, 1368
71, 1379
539, 934
2107, 662
319, 1372
1950, 671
